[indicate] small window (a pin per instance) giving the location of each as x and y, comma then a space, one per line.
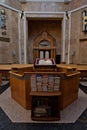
44, 43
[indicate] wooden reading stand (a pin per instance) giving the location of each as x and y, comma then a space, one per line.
21, 90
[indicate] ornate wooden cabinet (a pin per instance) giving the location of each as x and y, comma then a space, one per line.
44, 46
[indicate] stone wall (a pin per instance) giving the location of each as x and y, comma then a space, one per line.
12, 3
45, 6
78, 39
76, 4
9, 38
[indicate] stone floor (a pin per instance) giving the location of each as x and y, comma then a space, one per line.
7, 123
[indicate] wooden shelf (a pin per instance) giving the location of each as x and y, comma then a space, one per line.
46, 119
45, 93
45, 107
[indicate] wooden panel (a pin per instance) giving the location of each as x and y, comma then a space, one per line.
0, 79
69, 89
45, 93
20, 90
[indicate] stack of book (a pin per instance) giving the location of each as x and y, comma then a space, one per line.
45, 83
33, 82
39, 82
40, 111
50, 83
56, 83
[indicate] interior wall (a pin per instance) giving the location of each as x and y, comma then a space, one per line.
9, 52
76, 4
83, 52
44, 6
78, 48
13, 3
35, 27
